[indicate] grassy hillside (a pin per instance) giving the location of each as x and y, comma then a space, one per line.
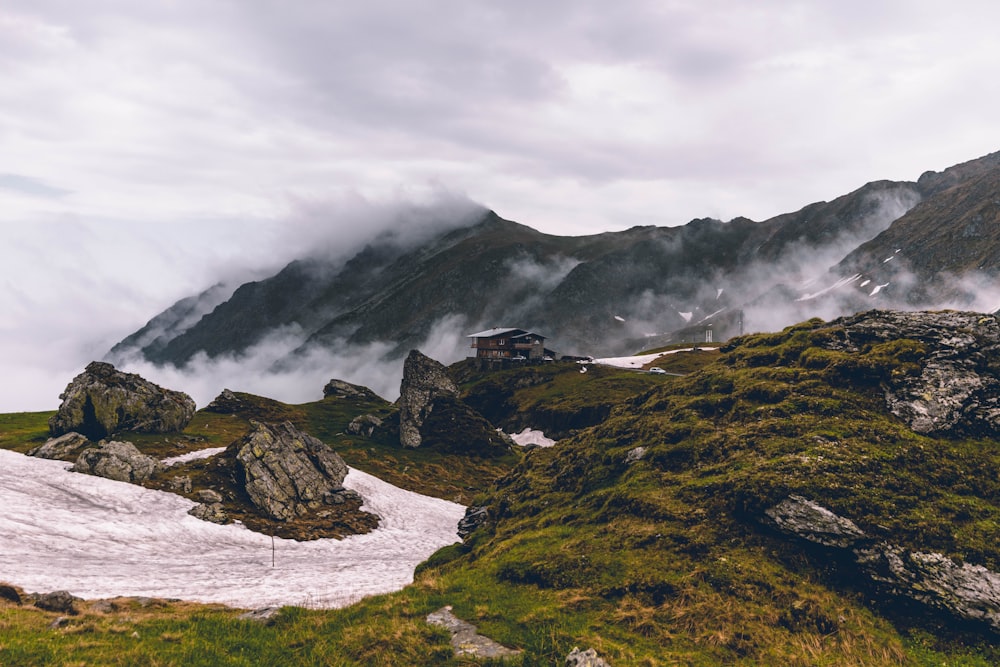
643, 535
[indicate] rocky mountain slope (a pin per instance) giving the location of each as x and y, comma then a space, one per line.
604, 293
827, 494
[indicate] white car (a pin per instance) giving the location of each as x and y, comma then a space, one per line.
657, 370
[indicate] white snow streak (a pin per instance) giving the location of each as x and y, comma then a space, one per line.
686, 316
643, 359
878, 288
193, 456
619, 318
836, 285
99, 538
531, 437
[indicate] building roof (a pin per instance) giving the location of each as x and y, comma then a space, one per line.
499, 331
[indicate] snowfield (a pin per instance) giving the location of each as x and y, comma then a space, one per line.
99, 538
641, 360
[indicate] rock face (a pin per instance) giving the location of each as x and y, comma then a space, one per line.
61, 447
102, 401
957, 391
424, 381
287, 471
588, 658
120, 461
969, 592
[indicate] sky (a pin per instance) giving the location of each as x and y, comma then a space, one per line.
149, 150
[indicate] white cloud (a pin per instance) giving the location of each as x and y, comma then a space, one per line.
154, 146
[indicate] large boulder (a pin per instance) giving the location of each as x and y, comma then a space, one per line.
61, 447
424, 381
102, 401
287, 472
120, 461
431, 414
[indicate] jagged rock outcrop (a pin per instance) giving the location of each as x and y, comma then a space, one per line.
340, 389
61, 447
287, 472
226, 403
61, 602
957, 388
120, 461
212, 512
966, 591
431, 414
102, 401
424, 381
475, 516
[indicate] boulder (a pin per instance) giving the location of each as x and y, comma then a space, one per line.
287, 472
60, 602
61, 447
120, 461
968, 592
102, 401
10, 594
226, 403
431, 414
365, 425
424, 381
475, 517
340, 389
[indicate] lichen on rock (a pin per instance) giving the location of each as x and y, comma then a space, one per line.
120, 461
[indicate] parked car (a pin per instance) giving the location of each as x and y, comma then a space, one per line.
657, 370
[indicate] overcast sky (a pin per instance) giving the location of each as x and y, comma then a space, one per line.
150, 148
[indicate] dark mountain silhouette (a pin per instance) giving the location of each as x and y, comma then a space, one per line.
614, 292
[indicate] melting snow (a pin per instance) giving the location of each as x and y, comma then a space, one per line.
865, 282
641, 360
619, 318
719, 291
877, 289
887, 258
686, 316
193, 456
531, 437
99, 538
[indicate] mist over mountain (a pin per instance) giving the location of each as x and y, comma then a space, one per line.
429, 282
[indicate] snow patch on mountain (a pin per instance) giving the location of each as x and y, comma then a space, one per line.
99, 538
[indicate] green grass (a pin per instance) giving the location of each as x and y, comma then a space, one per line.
20, 431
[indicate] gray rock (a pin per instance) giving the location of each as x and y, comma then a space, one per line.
102, 401
181, 483
208, 496
966, 591
809, 521
466, 640
213, 512
957, 389
364, 425
61, 447
588, 658
341, 389
286, 470
60, 602
475, 516
120, 461
424, 380
635, 454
